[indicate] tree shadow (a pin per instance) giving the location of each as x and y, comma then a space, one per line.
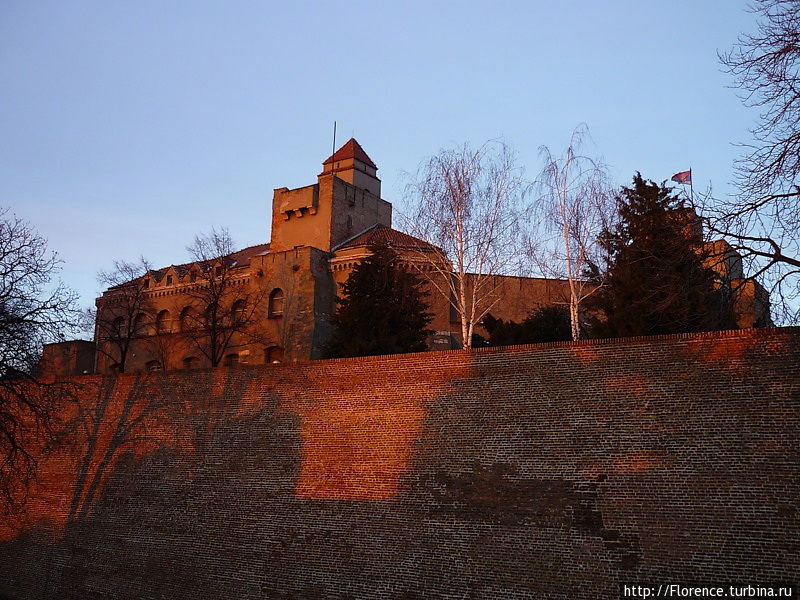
557, 470
574, 467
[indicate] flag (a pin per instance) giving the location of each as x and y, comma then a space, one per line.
684, 177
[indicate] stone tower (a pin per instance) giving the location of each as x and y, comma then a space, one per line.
345, 201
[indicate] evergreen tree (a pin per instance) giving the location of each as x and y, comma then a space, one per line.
654, 280
382, 310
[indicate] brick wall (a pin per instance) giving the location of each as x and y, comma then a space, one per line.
544, 471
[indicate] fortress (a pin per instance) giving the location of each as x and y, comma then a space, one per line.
561, 470
284, 291
289, 285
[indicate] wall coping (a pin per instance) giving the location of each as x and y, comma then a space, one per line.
750, 333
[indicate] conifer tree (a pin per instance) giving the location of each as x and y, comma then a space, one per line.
654, 279
382, 310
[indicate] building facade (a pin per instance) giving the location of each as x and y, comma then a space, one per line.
286, 289
275, 299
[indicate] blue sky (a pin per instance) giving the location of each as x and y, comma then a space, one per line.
127, 128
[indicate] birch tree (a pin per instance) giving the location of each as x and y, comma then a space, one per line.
468, 203
575, 205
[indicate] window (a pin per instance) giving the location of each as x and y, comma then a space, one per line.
117, 327
275, 308
230, 360
153, 365
146, 284
169, 279
273, 354
162, 322
193, 276
218, 272
140, 324
191, 362
237, 311
187, 319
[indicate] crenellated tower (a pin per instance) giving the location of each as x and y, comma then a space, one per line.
345, 201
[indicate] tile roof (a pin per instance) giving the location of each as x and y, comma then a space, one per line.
392, 237
351, 149
240, 258
243, 256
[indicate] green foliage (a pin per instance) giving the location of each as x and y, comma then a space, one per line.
382, 310
545, 324
654, 281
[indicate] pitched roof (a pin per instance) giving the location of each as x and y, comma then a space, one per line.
242, 257
382, 234
351, 149
238, 259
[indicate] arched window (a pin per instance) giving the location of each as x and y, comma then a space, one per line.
237, 311
191, 362
117, 327
273, 354
187, 320
163, 322
140, 325
231, 360
275, 303
153, 365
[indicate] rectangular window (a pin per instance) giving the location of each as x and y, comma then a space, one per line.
169, 279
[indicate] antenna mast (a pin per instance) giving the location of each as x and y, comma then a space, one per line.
333, 151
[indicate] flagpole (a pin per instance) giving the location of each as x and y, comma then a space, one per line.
691, 186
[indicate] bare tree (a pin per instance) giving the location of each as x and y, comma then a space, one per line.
34, 310
467, 202
222, 310
125, 310
763, 220
575, 206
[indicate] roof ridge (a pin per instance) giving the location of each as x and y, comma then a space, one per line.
394, 237
352, 237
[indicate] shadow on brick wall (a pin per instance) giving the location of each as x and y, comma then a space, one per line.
551, 471
563, 471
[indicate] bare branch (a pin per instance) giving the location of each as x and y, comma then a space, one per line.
574, 206
468, 203
34, 310
764, 218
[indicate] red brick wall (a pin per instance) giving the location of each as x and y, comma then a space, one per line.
557, 470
